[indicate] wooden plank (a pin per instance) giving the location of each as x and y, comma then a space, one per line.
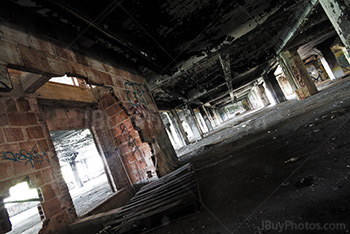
31, 82
159, 190
63, 92
132, 224
184, 169
173, 195
155, 205
153, 202
165, 196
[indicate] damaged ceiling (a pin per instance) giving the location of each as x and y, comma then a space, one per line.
190, 51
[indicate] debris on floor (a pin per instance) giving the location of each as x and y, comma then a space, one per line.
291, 160
169, 198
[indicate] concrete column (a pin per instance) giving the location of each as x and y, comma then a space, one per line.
305, 86
209, 115
192, 123
274, 88
182, 130
175, 129
206, 118
201, 120
287, 72
214, 117
196, 122
262, 95
327, 68
218, 116
336, 70
172, 131
338, 12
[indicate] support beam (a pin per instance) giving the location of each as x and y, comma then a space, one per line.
338, 12
31, 82
206, 118
325, 48
290, 32
226, 68
198, 95
274, 87
208, 114
305, 86
192, 123
262, 94
61, 92
196, 122
182, 130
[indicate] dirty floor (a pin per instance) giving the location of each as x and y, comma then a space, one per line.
288, 165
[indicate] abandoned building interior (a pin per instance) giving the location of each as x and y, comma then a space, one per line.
191, 116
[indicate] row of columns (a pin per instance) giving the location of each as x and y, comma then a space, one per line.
338, 12
293, 67
186, 124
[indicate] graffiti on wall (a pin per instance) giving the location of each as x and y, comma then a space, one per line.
137, 97
130, 140
32, 157
298, 75
136, 93
144, 113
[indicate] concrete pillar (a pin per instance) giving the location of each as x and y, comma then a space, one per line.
287, 72
218, 116
172, 131
209, 115
338, 12
296, 68
175, 129
327, 68
214, 117
262, 95
206, 118
196, 121
192, 123
274, 88
336, 70
201, 121
182, 130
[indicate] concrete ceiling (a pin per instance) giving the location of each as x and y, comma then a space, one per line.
190, 51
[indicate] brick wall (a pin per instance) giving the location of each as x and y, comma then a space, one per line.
27, 154
126, 123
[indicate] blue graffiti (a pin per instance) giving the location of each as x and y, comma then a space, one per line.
33, 157
136, 93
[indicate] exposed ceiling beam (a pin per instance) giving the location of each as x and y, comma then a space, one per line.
292, 27
161, 80
227, 102
224, 59
198, 95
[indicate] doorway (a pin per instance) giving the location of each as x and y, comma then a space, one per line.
82, 168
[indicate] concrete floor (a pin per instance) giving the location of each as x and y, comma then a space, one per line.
248, 181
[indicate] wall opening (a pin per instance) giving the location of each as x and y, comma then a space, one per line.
22, 207
82, 168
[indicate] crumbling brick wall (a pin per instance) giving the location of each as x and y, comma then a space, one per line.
127, 121
27, 154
